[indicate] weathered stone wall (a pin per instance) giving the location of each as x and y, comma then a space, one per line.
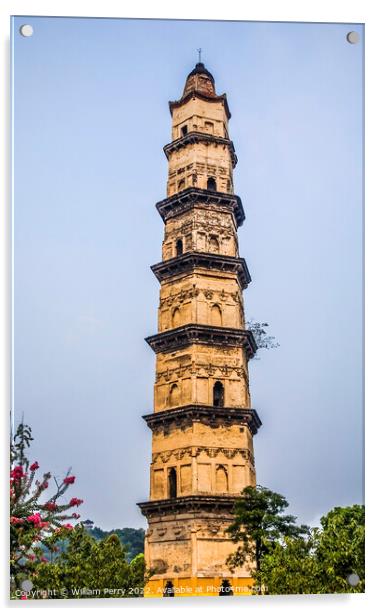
202, 231
200, 116
215, 300
190, 544
202, 469
192, 167
188, 376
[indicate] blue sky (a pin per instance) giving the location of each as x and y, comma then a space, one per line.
91, 117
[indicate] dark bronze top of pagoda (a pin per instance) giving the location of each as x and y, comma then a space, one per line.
192, 196
189, 504
207, 82
190, 261
214, 416
200, 83
186, 335
197, 137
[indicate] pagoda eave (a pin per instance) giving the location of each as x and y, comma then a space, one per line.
189, 505
214, 416
179, 337
197, 137
189, 261
201, 197
210, 99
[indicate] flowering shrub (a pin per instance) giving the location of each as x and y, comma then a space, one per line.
35, 519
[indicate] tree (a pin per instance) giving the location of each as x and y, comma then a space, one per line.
261, 337
329, 559
35, 520
291, 567
92, 569
341, 549
259, 526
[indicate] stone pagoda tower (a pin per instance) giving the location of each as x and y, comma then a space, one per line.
202, 425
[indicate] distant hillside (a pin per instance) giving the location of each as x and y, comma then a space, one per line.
133, 538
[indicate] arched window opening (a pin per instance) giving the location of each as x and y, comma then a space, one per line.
218, 394
225, 589
174, 395
228, 185
211, 184
169, 590
176, 317
221, 479
172, 483
179, 248
181, 185
209, 127
216, 315
214, 245
184, 130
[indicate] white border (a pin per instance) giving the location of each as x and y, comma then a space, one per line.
365, 11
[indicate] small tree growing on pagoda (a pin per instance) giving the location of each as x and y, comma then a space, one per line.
36, 521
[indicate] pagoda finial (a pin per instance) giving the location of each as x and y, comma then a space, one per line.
199, 54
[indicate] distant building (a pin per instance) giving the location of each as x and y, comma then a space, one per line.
202, 425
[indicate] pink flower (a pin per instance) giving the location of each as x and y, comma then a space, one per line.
75, 502
34, 466
69, 480
44, 485
76, 516
35, 518
68, 526
43, 559
17, 472
15, 520
51, 506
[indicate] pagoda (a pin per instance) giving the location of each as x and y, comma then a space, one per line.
203, 424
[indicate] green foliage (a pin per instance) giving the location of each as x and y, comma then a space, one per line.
92, 569
323, 562
289, 559
258, 526
341, 549
261, 336
291, 567
132, 538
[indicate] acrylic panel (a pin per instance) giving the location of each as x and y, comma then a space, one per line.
188, 308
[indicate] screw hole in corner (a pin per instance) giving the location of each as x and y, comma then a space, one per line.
26, 30
353, 37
